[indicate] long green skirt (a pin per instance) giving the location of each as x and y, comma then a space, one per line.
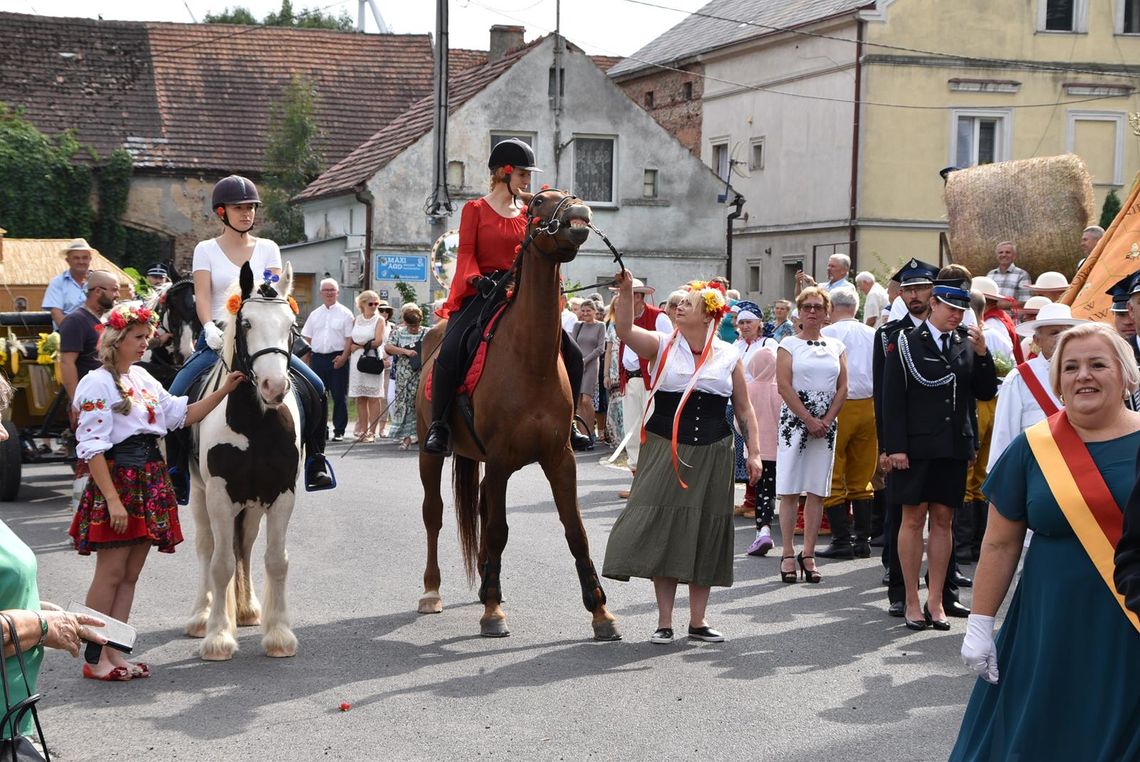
667, 531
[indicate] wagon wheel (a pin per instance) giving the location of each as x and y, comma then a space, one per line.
10, 463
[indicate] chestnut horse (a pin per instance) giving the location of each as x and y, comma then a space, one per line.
523, 411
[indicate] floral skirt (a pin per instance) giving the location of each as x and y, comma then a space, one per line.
152, 512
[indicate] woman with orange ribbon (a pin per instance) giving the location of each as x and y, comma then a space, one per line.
1059, 681
677, 525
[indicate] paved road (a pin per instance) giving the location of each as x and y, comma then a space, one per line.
809, 671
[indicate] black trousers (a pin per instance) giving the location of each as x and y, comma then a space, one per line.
896, 590
451, 359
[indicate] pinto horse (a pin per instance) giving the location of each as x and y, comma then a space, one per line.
246, 458
179, 323
523, 409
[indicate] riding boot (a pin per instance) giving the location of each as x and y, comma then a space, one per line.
572, 358
841, 546
963, 533
315, 407
862, 527
178, 463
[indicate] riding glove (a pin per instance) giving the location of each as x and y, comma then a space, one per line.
484, 285
213, 336
978, 650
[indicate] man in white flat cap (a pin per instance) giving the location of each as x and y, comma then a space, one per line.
65, 292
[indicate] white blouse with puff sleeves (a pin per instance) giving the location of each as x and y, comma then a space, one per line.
153, 410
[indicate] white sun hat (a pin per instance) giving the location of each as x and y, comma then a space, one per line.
1053, 313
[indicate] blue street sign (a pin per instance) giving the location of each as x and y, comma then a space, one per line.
405, 267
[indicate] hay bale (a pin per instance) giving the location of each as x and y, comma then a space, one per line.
1041, 204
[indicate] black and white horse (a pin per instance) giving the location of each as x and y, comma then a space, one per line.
178, 327
247, 457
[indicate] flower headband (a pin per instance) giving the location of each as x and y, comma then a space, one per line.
124, 315
712, 293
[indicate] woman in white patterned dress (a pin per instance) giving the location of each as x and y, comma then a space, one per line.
366, 388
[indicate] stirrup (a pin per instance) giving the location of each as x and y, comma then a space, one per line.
309, 462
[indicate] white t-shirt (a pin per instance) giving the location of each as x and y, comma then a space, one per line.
875, 303
208, 256
859, 341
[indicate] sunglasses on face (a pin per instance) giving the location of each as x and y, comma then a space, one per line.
373, 304
812, 307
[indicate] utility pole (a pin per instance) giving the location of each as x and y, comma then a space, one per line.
558, 49
439, 205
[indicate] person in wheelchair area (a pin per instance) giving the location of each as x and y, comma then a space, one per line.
216, 265
490, 229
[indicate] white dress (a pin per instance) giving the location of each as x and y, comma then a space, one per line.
364, 384
803, 462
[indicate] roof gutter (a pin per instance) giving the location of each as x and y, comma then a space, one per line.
364, 196
860, 31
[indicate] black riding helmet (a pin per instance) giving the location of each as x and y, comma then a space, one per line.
234, 189
514, 152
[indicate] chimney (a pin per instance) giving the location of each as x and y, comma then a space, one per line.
504, 40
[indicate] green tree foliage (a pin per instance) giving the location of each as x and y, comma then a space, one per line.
1110, 209
407, 292
291, 159
114, 184
285, 16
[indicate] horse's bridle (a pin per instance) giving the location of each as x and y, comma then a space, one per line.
243, 360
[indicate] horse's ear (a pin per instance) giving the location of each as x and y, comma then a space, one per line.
285, 287
245, 280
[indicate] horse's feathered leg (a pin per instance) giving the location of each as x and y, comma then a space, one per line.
279, 639
561, 472
246, 525
220, 643
431, 474
204, 545
493, 499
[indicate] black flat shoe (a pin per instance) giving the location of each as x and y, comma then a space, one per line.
706, 633
961, 580
939, 624
862, 549
955, 609
663, 636
840, 550
580, 442
897, 609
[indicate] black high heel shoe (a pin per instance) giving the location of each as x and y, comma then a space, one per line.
788, 576
942, 625
811, 575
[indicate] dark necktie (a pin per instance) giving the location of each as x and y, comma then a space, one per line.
946, 344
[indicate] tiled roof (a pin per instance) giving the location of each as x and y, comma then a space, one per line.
698, 34
35, 261
605, 63
372, 155
197, 96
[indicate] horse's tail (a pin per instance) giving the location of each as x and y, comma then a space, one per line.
465, 478
241, 586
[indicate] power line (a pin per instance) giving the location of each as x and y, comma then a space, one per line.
981, 62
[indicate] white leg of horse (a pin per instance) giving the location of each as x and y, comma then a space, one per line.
204, 545
248, 608
220, 643
279, 639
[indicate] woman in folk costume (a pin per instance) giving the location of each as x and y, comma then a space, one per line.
128, 505
677, 525
1059, 680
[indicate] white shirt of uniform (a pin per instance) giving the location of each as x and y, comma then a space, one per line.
716, 373
629, 358
568, 321
875, 302
1017, 409
208, 256
328, 327
859, 339
99, 427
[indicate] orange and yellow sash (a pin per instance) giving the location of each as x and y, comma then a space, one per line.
1084, 498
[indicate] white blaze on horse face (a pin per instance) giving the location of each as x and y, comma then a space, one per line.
266, 323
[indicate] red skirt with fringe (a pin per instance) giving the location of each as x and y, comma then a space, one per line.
152, 511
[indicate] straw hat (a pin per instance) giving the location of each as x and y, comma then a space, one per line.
1053, 313
1034, 303
383, 306
989, 289
1049, 281
77, 244
638, 287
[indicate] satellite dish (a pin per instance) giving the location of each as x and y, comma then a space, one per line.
444, 252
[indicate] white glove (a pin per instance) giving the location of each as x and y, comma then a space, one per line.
978, 650
213, 336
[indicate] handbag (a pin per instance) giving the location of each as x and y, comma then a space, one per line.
369, 361
415, 362
19, 748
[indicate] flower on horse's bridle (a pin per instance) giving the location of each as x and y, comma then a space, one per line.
266, 289
124, 315
233, 304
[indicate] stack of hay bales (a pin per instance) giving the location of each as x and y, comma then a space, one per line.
1042, 205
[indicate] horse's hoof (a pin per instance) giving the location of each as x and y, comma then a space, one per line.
220, 647
280, 643
430, 603
196, 627
606, 631
493, 628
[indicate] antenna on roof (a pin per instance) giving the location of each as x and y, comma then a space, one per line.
383, 28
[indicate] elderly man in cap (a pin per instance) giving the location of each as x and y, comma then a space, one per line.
65, 292
633, 372
932, 383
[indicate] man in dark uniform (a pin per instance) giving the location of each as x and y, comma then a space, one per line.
1125, 295
933, 381
916, 279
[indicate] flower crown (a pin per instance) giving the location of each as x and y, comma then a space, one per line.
124, 315
712, 293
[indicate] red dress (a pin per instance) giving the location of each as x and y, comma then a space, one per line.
487, 242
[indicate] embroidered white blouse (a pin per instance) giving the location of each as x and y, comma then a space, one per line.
716, 373
153, 410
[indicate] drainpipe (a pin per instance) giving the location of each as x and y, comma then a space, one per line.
738, 202
364, 196
854, 212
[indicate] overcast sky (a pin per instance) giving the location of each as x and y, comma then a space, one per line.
607, 27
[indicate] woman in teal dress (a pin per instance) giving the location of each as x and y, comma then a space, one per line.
1059, 682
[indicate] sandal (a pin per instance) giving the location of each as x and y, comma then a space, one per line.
811, 575
788, 577
116, 675
405, 445
140, 670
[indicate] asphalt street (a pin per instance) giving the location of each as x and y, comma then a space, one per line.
808, 672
